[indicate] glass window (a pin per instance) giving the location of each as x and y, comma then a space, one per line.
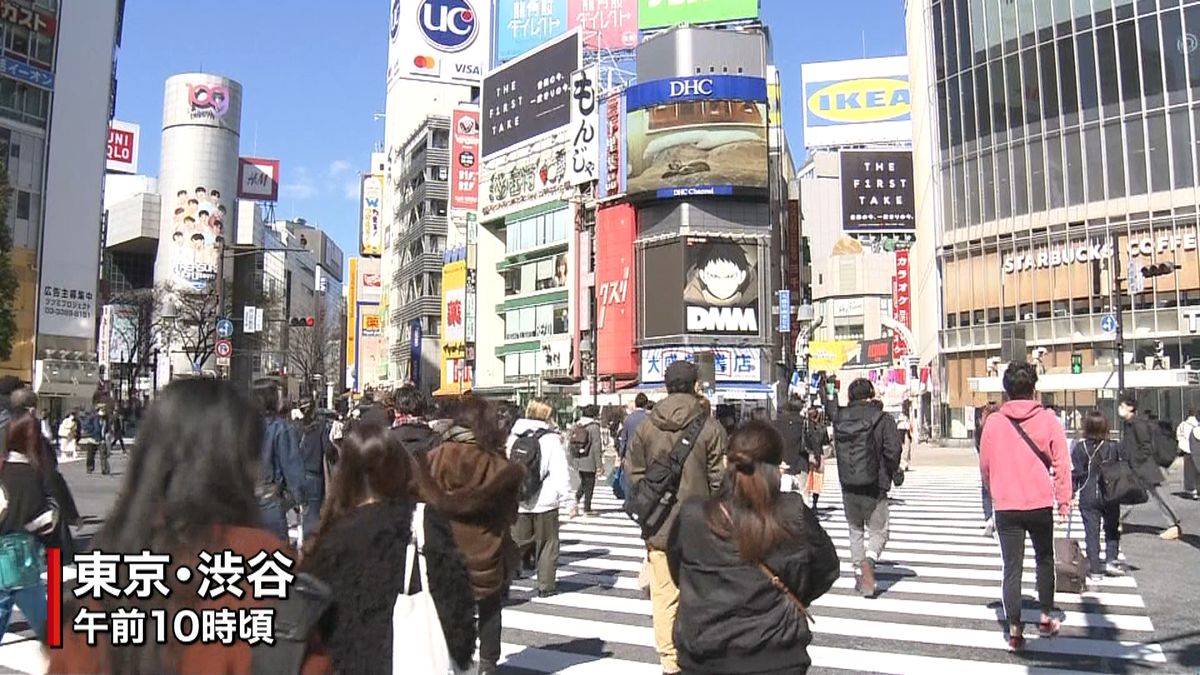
1083, 62
1049, 89
943, 55
1181, 148
560, 318
528, 233
512, 365
1037, 175
23, 204
1174, 61
1014, 95
989, 188
968, 105
545, 274
953, 115
529, 363
529, 277
983, 102
1151, 58
528, 322
1158, 151
974, 205
1191, 20
545, 319
1114, 152
1054, 171
1093, 162
512, 281
1136, 155
1033, 95
960, 198
1062, 17
1019, 181
993, 26
511, 325
999, 113
1106, 57
1131, 80
1004, 188
561, 220
1074, 167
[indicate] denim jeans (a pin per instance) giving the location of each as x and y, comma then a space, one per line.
32, 601
273, 517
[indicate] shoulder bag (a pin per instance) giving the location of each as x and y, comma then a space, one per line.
775, 580
1119, 484
418, 643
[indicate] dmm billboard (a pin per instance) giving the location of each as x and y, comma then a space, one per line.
860, 101
718, 279
530, 96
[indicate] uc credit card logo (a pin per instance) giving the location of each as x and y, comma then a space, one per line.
448, 25
859, 101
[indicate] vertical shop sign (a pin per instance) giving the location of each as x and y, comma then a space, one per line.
901, 297
585, 120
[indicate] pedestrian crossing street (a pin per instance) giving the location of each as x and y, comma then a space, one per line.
938, 608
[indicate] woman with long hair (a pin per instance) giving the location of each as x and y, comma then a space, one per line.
748, 563
478, 489
281, 475
28, 522
189, 488
359, 550
1088, 453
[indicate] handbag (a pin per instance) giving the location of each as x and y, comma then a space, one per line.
1120, 485
418, 643
22, 561
1070, 565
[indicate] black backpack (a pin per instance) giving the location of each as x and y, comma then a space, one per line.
527, 451
857, 457
1166, 449
650, 500
581, 440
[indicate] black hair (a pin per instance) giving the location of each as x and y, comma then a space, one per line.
194, 467
861, 390
411, 402
9, 384
722, 250
268, 398
480, 416
641, 400
592, 411
1020, 380
1129, 400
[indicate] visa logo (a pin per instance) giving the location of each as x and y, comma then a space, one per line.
467, 69
859, 101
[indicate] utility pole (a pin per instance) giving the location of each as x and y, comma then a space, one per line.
1118, 312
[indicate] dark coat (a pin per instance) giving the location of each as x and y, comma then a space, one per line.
415, 438
1137, 445
1086, 457
791, 428
362, 558
704, 468
281, 468
479, 492
592, 461
731, 619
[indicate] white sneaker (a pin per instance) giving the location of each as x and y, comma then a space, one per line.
1094, 580
989, 528
1114, 569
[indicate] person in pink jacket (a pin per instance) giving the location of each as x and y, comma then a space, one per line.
1026, 465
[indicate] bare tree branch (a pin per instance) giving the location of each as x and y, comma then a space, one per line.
313, 350
191, 326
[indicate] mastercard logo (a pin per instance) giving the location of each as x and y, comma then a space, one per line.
425, 62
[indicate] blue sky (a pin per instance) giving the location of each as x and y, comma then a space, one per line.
313, 76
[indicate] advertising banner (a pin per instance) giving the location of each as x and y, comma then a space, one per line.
702, 135
464, 159
371, 346
877, 191
439, 41
258, 179
369, 281
733, 364
15, 14
371, 237
611, 142
529, 96
522, 25
829, 356
585, 120
873, 354
662, 13
416, 342
720, 292
605, 24
455, 373
519, 182
859, 101
123, 141
616, 321
901, 301
197, 234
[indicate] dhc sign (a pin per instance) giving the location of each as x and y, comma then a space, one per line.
699, 88
858, 101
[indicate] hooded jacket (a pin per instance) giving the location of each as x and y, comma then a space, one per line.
478, 492
1014, 474
362, 558
556, 475
702, 472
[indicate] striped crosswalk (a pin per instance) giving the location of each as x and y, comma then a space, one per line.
938, 609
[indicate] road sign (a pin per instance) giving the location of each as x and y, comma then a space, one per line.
224, 349
1108, 323
222, 361
224, 328
785, 311
1137, 282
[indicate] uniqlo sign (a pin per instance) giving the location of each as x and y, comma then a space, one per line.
464, 151
123, 147
901, 301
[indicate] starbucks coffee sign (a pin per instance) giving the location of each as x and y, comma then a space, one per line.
1146, 244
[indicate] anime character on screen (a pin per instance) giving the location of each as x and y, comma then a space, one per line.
721, 274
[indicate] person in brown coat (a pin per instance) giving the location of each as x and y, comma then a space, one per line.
188, 489
478, 491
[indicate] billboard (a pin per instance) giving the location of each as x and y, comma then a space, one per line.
364, 324
371, 236
258, 179
605, 24
123, 140
662, 13
456, 373
699, 135
859, 101
611, 145
901, 301
877, 191
585, 122
368, 280
616, 322
733, 364
522, 25
464, 158
197, 234
438, 41
720, 292
830, 355
530, 96
872, 354
371, 346
524, 179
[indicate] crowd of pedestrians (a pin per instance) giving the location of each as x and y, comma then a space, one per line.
411, 521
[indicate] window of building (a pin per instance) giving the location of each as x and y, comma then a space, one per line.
1174, 59
983, 103
440, 138
1054, 172
1158, 151
1037, 175
1114, 154
1094, 162
1048, 67
1075, 167
848, 332
1181, 148
1131, 79
1191, 21
1020, 181
23, 204
1136, 155
1152, 62
1074, 59
1106, 58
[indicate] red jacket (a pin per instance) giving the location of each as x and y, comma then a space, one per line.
1017, 479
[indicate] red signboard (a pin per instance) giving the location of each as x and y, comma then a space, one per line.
606, 24
15, 14
614, 167
616, 227
464, 159
901, 301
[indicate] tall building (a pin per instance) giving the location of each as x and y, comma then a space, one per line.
1057, 163
413, 250
56, 97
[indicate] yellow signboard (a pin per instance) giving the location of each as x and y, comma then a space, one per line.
831, 355
456, 374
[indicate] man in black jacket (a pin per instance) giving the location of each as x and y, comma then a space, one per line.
868, 456
315, 446
1137, 446
411, 426
791, 426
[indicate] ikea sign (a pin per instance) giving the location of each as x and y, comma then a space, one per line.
858, 101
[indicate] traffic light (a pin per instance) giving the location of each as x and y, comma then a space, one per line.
1076, 364
1159, 270
303, 322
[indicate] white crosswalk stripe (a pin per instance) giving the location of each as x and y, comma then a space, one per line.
938, 609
